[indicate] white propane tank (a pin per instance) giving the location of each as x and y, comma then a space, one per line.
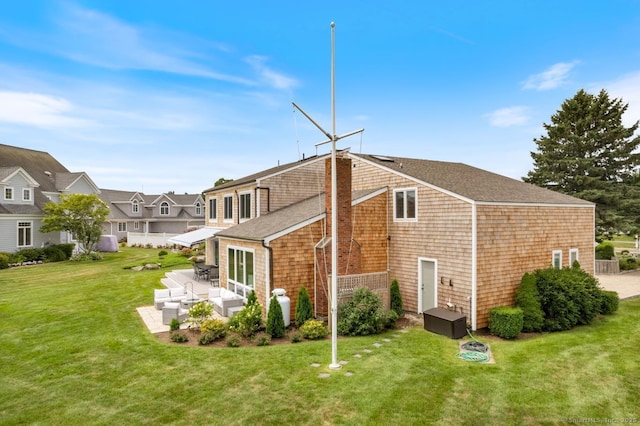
285, 304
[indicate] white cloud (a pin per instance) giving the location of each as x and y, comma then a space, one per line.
506, 117
627, 88
37, 110
271, 77
555, 76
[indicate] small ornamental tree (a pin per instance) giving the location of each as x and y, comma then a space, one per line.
275, 320
252, 299
304, 311
82, 215
396, 298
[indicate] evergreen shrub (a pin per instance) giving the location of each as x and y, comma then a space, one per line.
609, 302
304, 310
363, 315
4, 261
396, 298
528, 299
275, 321
174, 324
214, 327
506, 321
314, 329
605, 251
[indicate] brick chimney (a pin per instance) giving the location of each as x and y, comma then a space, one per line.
349, 256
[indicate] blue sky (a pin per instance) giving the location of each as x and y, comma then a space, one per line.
160, 96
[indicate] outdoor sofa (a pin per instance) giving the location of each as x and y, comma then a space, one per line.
161, 296
223, 299
172, 310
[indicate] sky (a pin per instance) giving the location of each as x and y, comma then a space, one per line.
158, 96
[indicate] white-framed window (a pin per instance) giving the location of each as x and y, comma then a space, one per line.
556, 259
245, 206
25, 232
122, 226
8, 193
213, 208
573, 256
198, 209
228, 208
164, 209
135, 206
405, 204
136, 225
240, 270
26, 194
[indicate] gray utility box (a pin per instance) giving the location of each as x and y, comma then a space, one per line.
447, 323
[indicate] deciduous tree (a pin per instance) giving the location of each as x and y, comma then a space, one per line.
82, 215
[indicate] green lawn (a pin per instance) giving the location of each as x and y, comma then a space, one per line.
74, 351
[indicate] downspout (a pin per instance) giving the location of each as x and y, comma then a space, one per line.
269, 270
237, 204
474, 265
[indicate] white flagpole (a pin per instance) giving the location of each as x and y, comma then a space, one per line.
334, 213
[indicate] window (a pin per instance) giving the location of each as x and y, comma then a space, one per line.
198, 209
26, 194
404, 204
24, 234
245, 206
213, 208
573, 256
228, 207
8, 193
556, 259
240, 271
164, 208
122, 226
136, 225
135, 206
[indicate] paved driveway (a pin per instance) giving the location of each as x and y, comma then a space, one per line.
627, 284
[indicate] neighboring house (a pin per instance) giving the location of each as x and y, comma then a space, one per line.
451, 234
135, 212
28, 180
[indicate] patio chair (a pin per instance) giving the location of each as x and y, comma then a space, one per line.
199, 272
172, 310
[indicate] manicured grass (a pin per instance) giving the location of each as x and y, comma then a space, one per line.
74, 351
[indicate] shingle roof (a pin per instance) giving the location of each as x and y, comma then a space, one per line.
261, 174
470, 182
35, 163
285, 218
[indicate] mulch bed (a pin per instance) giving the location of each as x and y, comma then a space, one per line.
194, 335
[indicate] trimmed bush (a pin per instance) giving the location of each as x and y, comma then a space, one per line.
233, 340
528, 299
215, 328
304, 310
296, 337
314, 329
54, 254
568, 297
262, 340
362, 315
396, 298
174, 324
609, 302
391, 318
178, 337
275, 320
605, 251
505, 321
248, 321
4, 261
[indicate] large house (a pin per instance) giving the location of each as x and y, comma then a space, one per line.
452, 235
28, 180
167, 213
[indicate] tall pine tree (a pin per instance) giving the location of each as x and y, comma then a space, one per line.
589, 154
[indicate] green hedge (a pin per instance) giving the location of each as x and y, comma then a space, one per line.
528, 299
609, 302
506, 321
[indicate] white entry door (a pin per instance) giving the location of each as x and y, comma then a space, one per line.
427, 288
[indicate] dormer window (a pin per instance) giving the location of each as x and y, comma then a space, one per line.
8, 193
198, 209
164, 208
26, 194
135, 206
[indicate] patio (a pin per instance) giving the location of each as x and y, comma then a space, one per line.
180, 278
